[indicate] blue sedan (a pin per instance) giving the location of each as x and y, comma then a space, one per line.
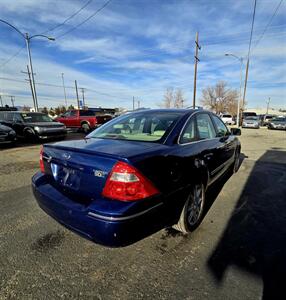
136, 174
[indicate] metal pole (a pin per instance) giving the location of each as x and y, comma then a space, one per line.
83, 99
32, 90
27, 39
78, 106
64, 90
268, 105
138, 103
12, 100
133, 103
1, 101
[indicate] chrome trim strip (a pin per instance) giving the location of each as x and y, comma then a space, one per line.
223, 165
98, 216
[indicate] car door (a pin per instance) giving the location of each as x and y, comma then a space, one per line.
198, 147
225, 144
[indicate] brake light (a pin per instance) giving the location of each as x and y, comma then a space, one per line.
42, 167
126, 183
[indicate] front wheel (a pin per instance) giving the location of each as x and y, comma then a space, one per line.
192, 212
85, 127
236, 161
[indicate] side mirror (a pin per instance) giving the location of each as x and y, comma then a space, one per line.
235, 131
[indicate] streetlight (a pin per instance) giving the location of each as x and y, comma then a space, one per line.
27, 40
238, 102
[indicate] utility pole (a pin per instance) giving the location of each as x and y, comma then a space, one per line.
12, 100
138, 102
268, 105
1, 101
31, 86
198, 47
77, 94
64, 90
245, 84
27, 39
83, 100
133, 103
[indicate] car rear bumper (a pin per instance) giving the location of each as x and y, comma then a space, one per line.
107, 229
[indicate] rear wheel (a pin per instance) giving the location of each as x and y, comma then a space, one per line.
192, 212
85, 127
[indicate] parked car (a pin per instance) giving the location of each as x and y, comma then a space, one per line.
83, 119
32, 125
227, 119
251, 122
136, 174
7, 134
267, 119
277, 123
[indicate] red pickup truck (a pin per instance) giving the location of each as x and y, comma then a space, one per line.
82, 119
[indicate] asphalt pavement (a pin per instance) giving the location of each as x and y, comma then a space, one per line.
236, 253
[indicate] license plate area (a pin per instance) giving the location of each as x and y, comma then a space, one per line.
66, 177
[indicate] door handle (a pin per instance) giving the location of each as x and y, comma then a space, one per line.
208, 156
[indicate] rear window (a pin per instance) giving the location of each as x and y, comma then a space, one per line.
249, 114
86, 113
147, 127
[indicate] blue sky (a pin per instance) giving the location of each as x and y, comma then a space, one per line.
141, 47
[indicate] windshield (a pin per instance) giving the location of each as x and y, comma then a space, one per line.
35, 117
279, 119
252, 118
226, 116
145, 126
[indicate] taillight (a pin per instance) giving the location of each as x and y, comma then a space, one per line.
126, 183
42, 167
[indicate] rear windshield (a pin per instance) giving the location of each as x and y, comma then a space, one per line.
35, 117
280, 119
86, 113
252, 118
249, 114
145, 126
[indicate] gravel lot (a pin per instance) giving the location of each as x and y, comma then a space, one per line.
238, 250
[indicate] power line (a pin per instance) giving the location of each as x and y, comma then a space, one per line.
68, 87
268, 24
69, 18
84, 21
13, 56
252, 26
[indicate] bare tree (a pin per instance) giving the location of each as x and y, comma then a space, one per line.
220, 98
168, 98
179, 99
173, 99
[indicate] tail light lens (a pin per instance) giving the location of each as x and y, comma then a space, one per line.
126, 183
42, 167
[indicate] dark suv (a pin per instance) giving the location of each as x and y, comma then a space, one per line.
32, 125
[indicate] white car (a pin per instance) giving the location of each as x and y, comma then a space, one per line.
227, 119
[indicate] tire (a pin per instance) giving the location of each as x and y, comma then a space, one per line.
85, 127
192, 213
236, 161
30, 135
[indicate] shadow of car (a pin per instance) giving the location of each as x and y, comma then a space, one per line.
255, 236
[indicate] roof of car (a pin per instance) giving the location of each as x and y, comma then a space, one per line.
172, 110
